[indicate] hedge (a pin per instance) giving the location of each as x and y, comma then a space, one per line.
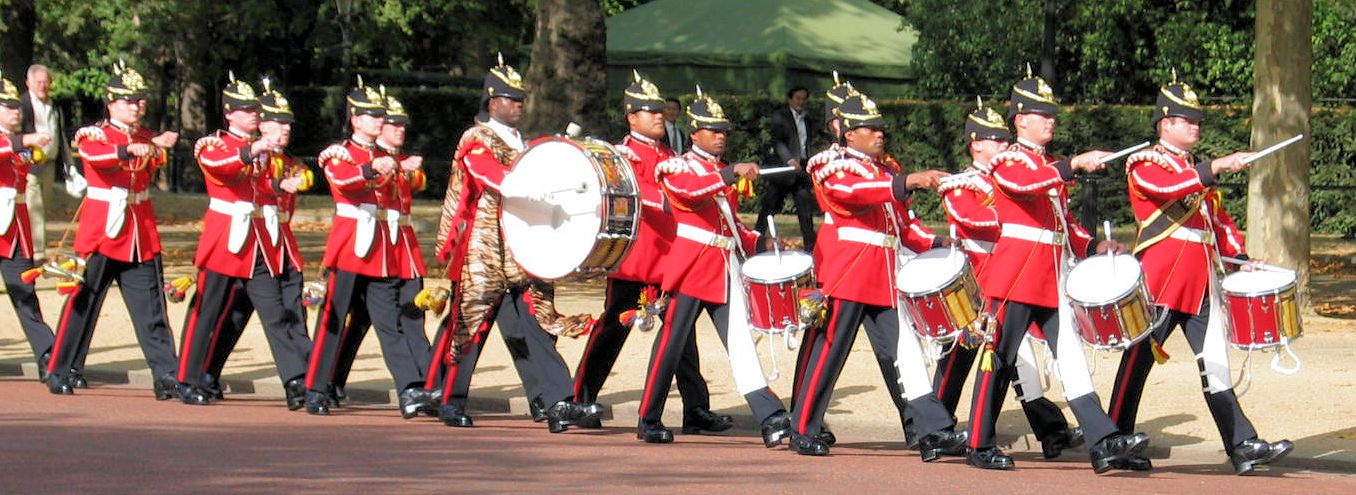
923, 134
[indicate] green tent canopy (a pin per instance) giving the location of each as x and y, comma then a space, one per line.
760, 46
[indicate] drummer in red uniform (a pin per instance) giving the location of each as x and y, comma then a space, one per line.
491, 287
237, 256
396, 202
1022, 279
117, 237
701, 272
279, 177
967, 199
1183, 229
360, 258
868, 202
639, 271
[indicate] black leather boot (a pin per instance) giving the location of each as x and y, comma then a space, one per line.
702, 419
653, 432
1114, 448
317, 403
776, 428
454, 415
1252, 453
295, 392
1053, 445
939, 443
808, 445
990, 458
566, 413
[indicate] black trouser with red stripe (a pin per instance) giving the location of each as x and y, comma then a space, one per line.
142, 285
348, 293
278, 302
1137, 361
991, 387
1045, 417
607, 339
411, 322
680, 321
828, 353
543, 372
883, 346
25, 299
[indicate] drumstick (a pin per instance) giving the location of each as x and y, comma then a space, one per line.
775, 170
1106, 227
954, 241
1272, 149
772, 232
1123, 152
1264, 266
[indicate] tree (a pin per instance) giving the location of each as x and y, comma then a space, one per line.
17, 25
1278, 189
567, 80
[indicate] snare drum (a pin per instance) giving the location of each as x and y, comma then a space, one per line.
570, 208
773, 283
938, 290
1263, 314
1110, 303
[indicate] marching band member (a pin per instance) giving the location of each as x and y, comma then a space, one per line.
967, 200
701, 270
117, 238
1023, 280
492, 287
359, 257
1183, 227
396, 202
278, 178
857, 253
16, 244
640, 271
237, 254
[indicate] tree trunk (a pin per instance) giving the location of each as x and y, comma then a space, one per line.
567, 80
20, 21
1278, 189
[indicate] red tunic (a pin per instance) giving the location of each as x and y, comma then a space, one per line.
1177, 270
655, 235
356, 243
396, 202
866, 219
15, 236
231, 176
117, 219
694, 183
1023, 270
968, 204
279, 166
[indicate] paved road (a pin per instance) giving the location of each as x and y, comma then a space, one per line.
118, 440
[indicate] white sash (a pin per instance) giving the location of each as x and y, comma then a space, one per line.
8, 202
909, 361
365, 217
744, 362
239, 212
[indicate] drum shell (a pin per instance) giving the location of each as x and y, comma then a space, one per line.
941, 313
1117, 322
774, 303
1263, 319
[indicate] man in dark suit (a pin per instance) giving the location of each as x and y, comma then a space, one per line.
790, 140
41, 116
674, 135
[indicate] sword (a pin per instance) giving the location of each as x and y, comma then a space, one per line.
1273, 148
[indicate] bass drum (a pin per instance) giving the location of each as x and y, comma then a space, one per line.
570, 208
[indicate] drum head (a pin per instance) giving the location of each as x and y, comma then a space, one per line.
771, 268
551, 208
1103, 279
930, 271
1257, 282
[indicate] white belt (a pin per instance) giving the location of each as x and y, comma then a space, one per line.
976, 246
1192, 235
366, 216
392, 218
864, 236
706, 237
1033, 234
240, 213
9, 199
117, 198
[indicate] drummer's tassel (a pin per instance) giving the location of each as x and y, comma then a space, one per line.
986, 359
744, 187
30, 275
1160, 356
177, 289
67, 288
